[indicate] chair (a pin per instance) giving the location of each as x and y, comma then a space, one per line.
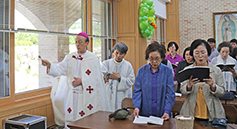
231, 113
176, 108
127, 103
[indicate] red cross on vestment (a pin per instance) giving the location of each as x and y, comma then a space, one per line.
80, 58
6, 61
82, 113
7, 74
90, 107
73, 56
77, 58
88, 72
90, 89
69, 110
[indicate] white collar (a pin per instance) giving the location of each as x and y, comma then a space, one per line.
116, 62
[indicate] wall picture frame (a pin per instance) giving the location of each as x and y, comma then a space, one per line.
225, 26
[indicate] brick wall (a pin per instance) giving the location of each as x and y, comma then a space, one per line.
53, 48
196, 18
48, 49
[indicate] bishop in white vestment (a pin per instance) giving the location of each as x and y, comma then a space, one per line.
119, 85
80, 91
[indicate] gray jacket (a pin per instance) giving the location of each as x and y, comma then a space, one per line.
214, 105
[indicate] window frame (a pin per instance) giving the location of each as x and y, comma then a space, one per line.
159, 33
43, 92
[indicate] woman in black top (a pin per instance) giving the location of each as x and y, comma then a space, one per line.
234, 53
188, 60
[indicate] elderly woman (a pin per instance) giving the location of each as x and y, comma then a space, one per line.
224, 58
173, 57
202, 97
153, 92
188, 60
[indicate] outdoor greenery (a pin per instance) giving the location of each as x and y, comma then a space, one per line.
25, 39
71, 40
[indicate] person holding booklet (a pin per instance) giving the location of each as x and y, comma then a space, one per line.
202, 100
153, 93
188, 60
173, 57
229, 65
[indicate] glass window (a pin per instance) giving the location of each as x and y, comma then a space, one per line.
4, 65
48, 29
159, 33
4, 49
28, 46
99, 25
48, 15
101, 28
42, 20
154, 37
102, 48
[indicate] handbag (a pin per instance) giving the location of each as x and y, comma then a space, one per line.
220, 123
120, 114
228, 96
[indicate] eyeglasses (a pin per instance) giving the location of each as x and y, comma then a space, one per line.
154, 59
202, 53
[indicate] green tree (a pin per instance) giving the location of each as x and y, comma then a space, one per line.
71, 40
26, 38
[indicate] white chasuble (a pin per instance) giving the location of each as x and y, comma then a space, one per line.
80, 102
116, 90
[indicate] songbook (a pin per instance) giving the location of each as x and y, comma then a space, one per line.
178, 94
197, 72
148, 120
225, 67
174, 65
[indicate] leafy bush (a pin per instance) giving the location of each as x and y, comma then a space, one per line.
28, 71
17, 68
23, 43
26, 38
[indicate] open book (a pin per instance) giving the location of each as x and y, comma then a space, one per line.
148, 120
178, 94
197, 72
225, 67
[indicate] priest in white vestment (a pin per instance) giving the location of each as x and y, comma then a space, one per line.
121, 76
80, 90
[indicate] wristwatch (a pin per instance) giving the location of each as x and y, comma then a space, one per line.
119, 79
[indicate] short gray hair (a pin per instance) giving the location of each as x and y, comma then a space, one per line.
121, 47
